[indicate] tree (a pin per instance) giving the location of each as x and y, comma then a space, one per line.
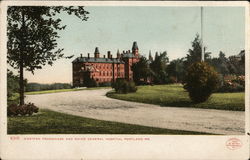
176, 69
201, 81
141, 70
88, 80
158, 66
237, 63
32, 33
194, 53
13, 86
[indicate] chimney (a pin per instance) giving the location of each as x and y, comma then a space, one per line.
88, 55
109, 54
81, 55
103, 56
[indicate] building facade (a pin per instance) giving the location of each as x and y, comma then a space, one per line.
105, 69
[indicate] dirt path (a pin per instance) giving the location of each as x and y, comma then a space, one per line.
94, 104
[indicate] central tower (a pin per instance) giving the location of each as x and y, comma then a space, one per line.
135, 49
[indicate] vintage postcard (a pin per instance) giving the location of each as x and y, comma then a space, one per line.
124, 80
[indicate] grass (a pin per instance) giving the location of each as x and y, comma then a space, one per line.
50, 122
176, 96
62, 90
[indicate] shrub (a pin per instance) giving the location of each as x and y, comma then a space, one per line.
237, 84
104, 84
123, 86
172, 80
131, 86
26, 109
240, 80
201, 81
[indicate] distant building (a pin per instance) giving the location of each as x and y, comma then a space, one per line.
106, 69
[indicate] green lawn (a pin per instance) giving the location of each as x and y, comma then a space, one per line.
63, 90
176, 96
50, 122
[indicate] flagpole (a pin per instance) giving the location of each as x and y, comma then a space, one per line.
202, 48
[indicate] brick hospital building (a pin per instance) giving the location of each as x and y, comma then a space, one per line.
104, 69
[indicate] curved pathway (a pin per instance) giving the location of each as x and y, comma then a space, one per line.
94, 104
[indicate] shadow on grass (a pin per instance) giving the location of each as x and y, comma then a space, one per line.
50, 122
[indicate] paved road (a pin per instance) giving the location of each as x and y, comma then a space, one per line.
94, 104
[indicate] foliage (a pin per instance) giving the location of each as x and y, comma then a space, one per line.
237, 84
175, 71
141, 71
104, 84
172, 79
12, 87
88, 81
123, 86
237, 64
232, 65
158, 67
240, 80
32, 34
41, 87
131, 87
22, 110
173, 95
201, 81
194, 53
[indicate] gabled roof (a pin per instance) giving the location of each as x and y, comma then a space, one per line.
97, 60
128, 55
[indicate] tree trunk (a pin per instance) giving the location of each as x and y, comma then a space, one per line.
21, 85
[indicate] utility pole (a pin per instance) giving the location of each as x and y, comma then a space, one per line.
202, 48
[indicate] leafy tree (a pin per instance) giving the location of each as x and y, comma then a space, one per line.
242, 56
32, 33
221, 64
176, 69
141, 70
13, 86
39, 87
194, 53
237, 63
207, 57
88, 80
158, 66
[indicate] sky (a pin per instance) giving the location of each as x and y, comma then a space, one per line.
158, 28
